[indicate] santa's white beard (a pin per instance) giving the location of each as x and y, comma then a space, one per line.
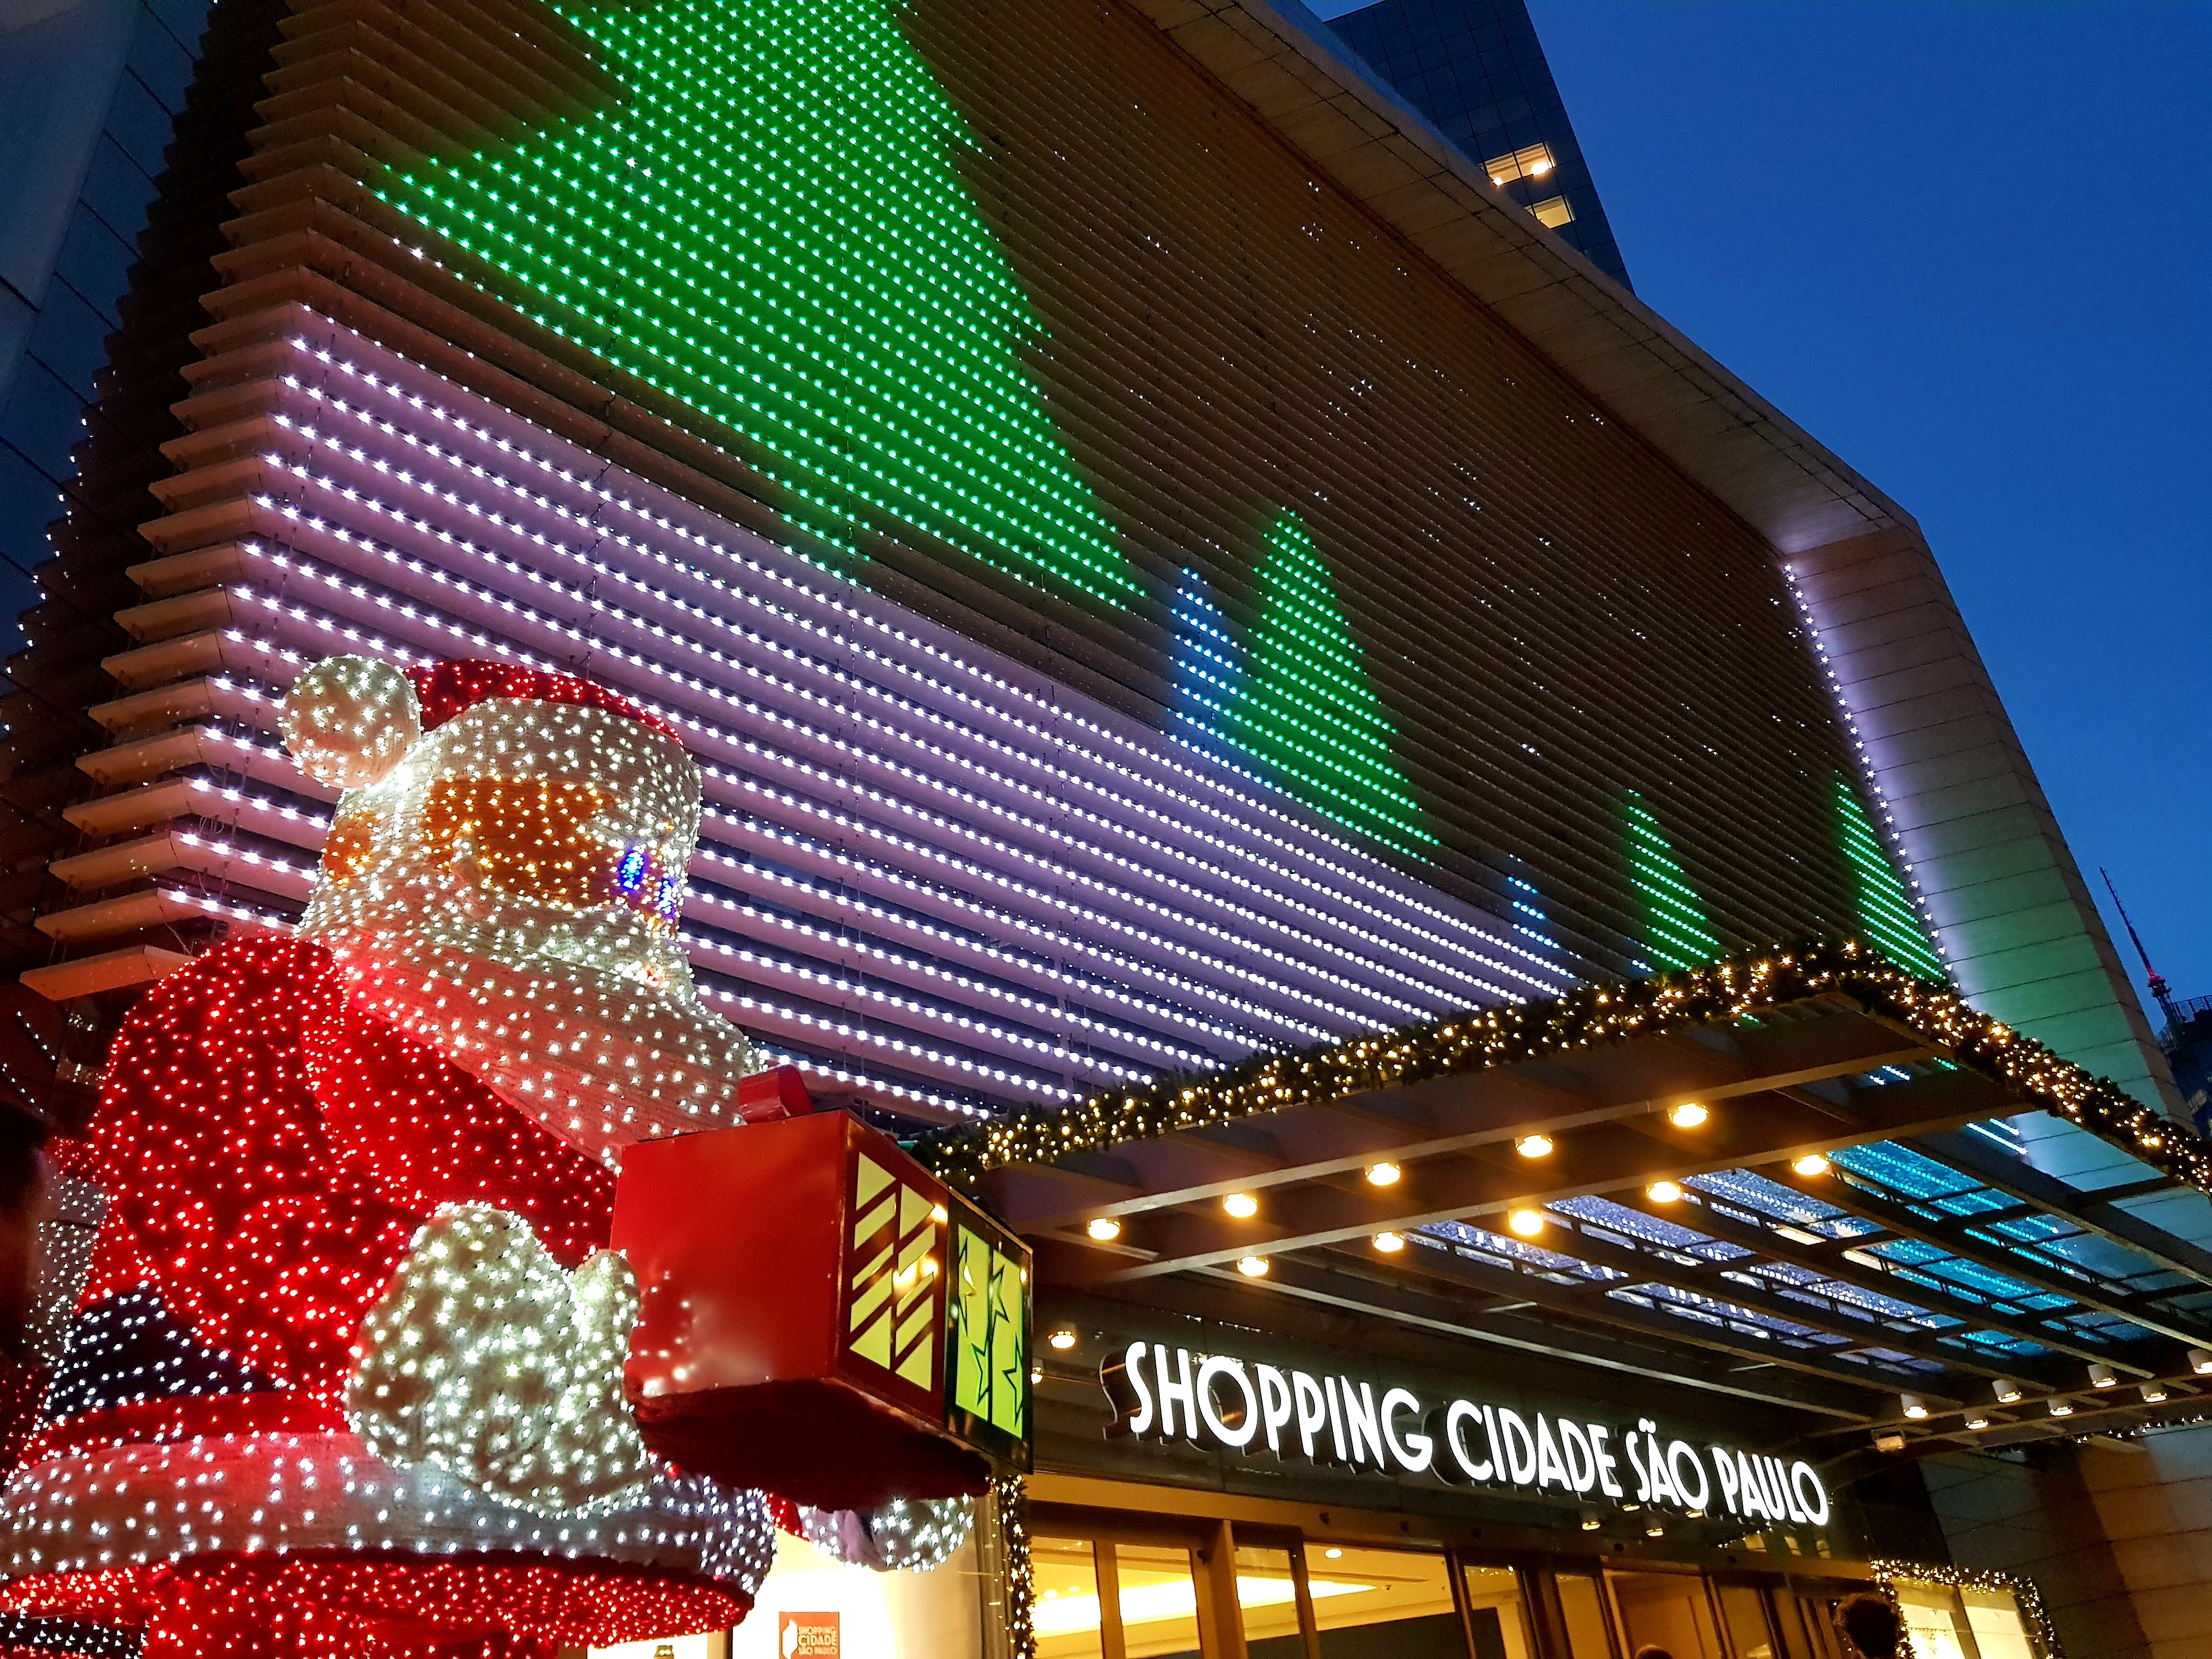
591, 1026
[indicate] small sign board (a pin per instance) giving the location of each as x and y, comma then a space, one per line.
808, 1636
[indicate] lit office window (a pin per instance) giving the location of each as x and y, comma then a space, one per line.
1554, 212
1533, 163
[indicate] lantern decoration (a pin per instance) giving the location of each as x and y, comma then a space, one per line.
837, 1327
346, 1371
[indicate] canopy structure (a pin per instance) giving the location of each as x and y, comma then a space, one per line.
1851, 1226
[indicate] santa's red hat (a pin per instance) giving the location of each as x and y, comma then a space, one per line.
348, 721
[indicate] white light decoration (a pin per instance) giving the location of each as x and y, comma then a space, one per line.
349, 720
904, 1535
147, 1504
893, 782
507, 893
483, 1357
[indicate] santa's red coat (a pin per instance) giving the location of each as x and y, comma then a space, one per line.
268, 1149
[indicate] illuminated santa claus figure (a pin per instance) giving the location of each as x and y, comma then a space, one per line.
345, 1375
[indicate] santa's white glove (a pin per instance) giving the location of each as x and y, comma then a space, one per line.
484, 1357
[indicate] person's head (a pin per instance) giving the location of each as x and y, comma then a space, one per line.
1652, 1650
1871, 1624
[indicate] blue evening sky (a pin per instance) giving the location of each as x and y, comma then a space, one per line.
1966, 246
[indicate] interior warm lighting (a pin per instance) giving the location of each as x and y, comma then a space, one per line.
1389, 1243
1382, 1174
1664, 1192
1529, 161
1176, 1599
1253, 1267
1104, 1229
1537, 1146
1553, 212
1811, 1164
1915, 1406
1333, 1555
1062, 1338
1688, 1115
1527, 1223
1242, 1205
2005, 1390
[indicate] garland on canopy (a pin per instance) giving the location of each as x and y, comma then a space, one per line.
1727, 993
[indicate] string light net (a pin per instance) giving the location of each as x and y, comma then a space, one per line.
1675, 931
1303, 707
769, 225
1887, 912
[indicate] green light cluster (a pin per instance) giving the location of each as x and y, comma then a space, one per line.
1303, 708
768, 225
1675, 932
1887, 912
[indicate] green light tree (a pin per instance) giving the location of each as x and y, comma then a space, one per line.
1675, 932
1888, 914
1303, 708
768, 224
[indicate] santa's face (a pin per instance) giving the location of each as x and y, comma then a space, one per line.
508, 892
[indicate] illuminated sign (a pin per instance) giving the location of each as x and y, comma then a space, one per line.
1221, 1402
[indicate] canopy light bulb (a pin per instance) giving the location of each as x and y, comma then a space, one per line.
2061, 1406
1537, 1146
1253, 1267
1591, 1523
1527, 1223
1389, 1243
2005, 1390
2200, 1362
1062, 1338
1688, 1115
1977, 1419
1810, 1165
2154, 1393
1104, 1229
1664, 1192
1384, 1173
1242, 1205
2103, 1375
1654, 1528
1915, 1406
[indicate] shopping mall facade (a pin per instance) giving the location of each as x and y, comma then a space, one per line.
1454, 878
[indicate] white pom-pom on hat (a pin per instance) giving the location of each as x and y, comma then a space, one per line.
349, 720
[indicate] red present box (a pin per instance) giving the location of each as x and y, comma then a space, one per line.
822, 1317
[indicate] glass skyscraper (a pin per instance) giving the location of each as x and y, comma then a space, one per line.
1476, 69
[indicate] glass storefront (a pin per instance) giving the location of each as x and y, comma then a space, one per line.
1121, 1583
